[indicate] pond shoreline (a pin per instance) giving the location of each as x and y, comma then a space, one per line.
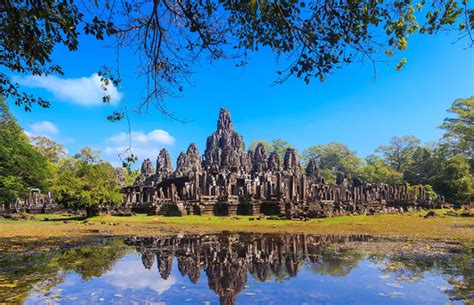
446, 225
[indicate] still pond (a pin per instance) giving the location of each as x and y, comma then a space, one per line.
236, 269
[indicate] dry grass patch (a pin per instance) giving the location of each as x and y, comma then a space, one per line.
411, 225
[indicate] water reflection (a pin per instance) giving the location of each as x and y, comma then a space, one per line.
238, 269
227, 259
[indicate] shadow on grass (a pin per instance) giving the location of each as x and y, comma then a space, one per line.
77, 218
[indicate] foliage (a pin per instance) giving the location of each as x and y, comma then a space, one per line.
314, 37
459, 136
399, 152
30, 31
375, 170
91, 260
81, 184
51, 150
169, 37
280, 146
21, 166
46, 261
336, 265
333, 158
454, 180
126, 176
429, 191
421, 167
88, 155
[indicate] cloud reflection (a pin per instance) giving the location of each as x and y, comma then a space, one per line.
130, 274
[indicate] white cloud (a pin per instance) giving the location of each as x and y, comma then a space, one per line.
43, 128
156, 136
144, 145
86, 91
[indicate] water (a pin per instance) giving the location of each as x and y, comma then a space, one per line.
236, 269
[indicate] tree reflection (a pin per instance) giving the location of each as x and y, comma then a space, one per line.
456, 266
41, 266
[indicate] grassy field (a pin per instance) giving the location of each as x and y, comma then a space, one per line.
410, 225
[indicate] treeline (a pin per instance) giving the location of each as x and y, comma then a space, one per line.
84, 180
80, 181
445, 167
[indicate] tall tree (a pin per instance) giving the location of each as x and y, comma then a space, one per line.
21, 166
459, 136
422, 166
454, 180
88, 155
280, 146
398, 154
375, 170
333, 158
48, 148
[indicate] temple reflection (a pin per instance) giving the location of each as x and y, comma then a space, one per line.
228, 259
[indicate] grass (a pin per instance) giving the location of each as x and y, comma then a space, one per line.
409, 225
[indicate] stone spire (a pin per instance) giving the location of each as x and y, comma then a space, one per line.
259, 159
225, 149
163, 164
147, 168
274, 162
225, 121
188, 163
312, 169
291, 163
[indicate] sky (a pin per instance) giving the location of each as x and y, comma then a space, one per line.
349, 107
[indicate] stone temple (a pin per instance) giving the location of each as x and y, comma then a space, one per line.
228, 180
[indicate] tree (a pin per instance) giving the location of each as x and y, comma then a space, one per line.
280, 146
88, 155
454, 180
82, 184
459, 136
400, 152
169, 37
51, 150
422, 166
21, 166
375, 170
333, 158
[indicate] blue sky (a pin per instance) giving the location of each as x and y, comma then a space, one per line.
349, 107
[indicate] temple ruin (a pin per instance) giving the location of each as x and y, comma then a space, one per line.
228, 180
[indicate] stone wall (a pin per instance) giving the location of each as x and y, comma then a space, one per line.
36, 202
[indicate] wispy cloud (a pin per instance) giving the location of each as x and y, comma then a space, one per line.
156, 136
43, 128
85, 91
144, 145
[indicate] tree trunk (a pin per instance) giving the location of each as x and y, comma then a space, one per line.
92, 211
